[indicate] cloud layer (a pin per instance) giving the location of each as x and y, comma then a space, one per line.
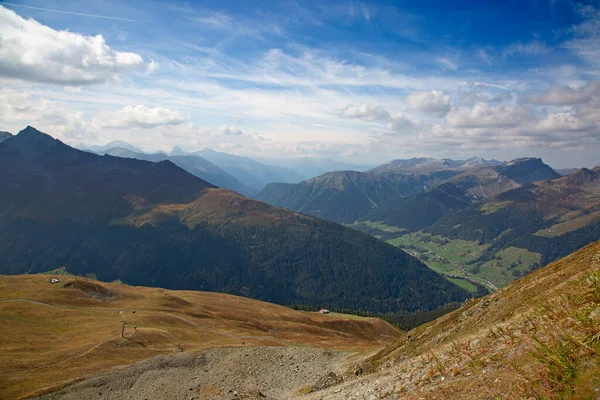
34, 52
435, 102
138, 116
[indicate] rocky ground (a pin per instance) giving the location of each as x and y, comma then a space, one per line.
221, 373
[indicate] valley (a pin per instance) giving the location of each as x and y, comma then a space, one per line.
299, 200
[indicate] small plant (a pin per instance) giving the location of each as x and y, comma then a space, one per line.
559, 356
593, 280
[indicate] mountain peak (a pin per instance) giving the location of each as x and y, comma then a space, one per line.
177, 151
526, 170
581, 176
31, 140
30, 131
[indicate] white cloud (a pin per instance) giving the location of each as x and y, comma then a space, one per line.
565, 95
231, 130
435, 103
366, 112
138, 116
562, 122
533, 48
20, 109
483, 115
31, 51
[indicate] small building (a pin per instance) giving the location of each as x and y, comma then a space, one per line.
53, 280
324, 311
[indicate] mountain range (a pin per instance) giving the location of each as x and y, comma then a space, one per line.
347, 196
195, 165
115, 144
475, 221
427, 164
419, 211
254, 174
152, 223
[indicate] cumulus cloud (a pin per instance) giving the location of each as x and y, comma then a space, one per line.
31, 51
366, 112
566, 95
533, 48
138, 116
23, 109
230, 130
483, 115
563, 122
435, 103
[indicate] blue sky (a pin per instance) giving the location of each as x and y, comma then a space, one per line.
362, 82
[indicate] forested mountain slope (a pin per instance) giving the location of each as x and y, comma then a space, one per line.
155, 224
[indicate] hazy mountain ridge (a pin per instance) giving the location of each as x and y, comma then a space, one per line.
251, 173
115, 144
193, 164
153, 223
311, 167
428, 164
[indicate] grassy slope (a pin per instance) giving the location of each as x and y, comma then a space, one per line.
80, 336
537, 338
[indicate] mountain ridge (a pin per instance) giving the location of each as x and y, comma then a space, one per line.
193, 164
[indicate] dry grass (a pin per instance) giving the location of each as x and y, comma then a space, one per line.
538, 338
80, 335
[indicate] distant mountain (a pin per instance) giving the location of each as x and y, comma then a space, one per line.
195, 165
348, 196
345, 196
251, 173
4, 135
110, 145
459, 192
152, 223
566, 171
310, 167
426, 165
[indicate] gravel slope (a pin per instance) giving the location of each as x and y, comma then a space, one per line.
219, 373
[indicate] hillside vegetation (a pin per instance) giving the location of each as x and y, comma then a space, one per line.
71, 330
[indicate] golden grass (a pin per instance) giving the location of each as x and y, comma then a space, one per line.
536, 338
80, 335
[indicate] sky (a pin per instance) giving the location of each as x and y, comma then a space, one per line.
360, 82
